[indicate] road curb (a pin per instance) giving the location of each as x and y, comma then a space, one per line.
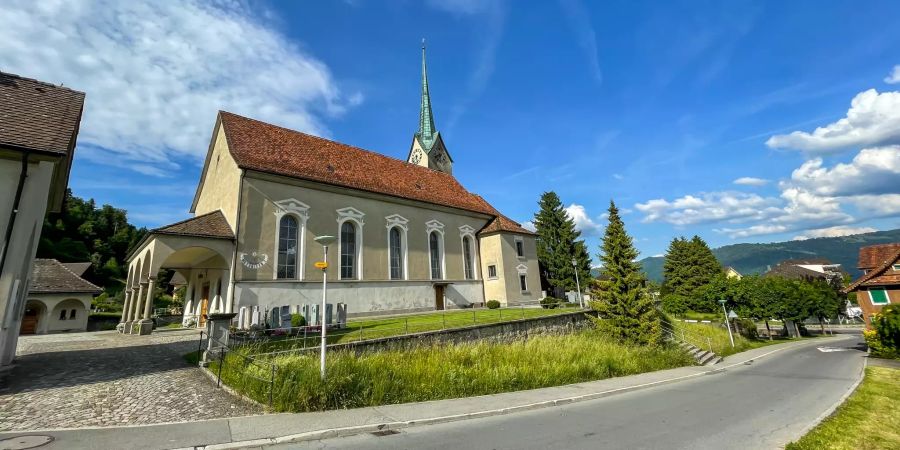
396, 425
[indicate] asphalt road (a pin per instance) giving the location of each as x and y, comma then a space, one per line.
761, 405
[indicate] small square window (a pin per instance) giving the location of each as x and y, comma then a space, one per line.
523, 282
62, 315
520, 248
492, 271
879, 296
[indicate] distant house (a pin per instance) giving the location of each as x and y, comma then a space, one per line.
39, 125
880, 283
58, 300
730, 272
808, 269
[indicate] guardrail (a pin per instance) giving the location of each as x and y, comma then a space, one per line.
688, 337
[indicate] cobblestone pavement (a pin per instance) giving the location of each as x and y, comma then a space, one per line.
105, 379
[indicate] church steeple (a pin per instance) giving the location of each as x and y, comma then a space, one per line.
426, 117
428, 148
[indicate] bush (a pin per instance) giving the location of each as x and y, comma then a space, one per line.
549, 303
297, 320
675, 304
746, 328
492, 304
887, 325
876, 347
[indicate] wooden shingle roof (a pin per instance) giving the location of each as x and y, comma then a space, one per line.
50, 276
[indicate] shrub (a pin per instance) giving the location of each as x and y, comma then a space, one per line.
873, 340
492, 304
549, 303
675, 304
746, 328
297, 320
887, 324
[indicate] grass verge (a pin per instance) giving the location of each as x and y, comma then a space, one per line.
433, 372
705, 335
869, 419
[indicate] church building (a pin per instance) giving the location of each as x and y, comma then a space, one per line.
409, 236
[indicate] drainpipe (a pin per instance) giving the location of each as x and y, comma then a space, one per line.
15, 209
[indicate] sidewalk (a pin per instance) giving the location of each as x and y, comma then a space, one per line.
261, 430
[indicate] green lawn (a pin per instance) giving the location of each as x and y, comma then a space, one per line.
440, 371
698, 333
372, 328
869, 419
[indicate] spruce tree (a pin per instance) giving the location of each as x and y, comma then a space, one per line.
558, 242
626, 312
689, 266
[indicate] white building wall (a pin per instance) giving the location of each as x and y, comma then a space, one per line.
22, 244
367, 297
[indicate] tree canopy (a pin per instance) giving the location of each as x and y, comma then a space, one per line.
689, 266
557, 243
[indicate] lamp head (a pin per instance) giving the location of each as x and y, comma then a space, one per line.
325, 241
723, 301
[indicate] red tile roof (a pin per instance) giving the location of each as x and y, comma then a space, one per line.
212, 224
882, 274
49, 276
874, 255
268, 148
503, 223
38, 116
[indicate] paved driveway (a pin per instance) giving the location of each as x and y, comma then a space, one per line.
105, 379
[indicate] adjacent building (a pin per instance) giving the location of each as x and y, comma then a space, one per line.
38, 129
58, 298
409, 236
880, 284
809, 269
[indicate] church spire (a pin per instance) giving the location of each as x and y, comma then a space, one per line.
426, 117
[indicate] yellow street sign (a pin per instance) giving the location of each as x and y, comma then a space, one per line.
321, 265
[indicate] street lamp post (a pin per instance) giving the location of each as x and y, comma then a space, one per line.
577, 283
325, 241
727, 323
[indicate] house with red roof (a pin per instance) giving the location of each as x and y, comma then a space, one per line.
880, 283
408, 236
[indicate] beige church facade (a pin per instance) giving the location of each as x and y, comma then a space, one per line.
409, 237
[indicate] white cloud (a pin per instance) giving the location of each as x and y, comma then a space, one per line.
751, 181
529, 225
833, 232
873, 120
872, 171
894, 76
583, 221
580, 22
156, 73
709, 207
461, 7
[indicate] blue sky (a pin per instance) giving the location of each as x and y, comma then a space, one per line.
695, 117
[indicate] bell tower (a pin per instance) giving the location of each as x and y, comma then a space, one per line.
428, 148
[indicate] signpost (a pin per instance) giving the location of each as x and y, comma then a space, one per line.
325, 241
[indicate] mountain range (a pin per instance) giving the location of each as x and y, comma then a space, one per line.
757, 258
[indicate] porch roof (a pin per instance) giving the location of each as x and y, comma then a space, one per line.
211, 225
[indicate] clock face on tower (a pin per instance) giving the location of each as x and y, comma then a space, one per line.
417, 156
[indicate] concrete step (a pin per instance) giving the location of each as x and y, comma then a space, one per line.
705, 358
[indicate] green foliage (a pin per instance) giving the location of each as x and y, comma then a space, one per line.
715, 335
675, 304
557, 243
689, 266
84, 232
887, 325
626, 311
492, 304
877, 348
297, 320
550, 302
432, 372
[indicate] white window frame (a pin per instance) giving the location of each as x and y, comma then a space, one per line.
517, 240
435, 226
300, 211
522, 269
400, 222
896, 267
464, 232
872, 299
494, 276
351, 214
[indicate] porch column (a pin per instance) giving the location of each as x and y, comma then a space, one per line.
189, 297
148, 307
229, 291
136, 310
126, 307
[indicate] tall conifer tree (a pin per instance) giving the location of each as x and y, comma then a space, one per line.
558, 242
626, 311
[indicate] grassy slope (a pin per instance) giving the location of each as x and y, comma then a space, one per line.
443, 371
869, 419
718, 338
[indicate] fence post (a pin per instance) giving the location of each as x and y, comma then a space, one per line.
682, 334
709, 343
501, 313
272, 385
522, 307
221, 363
474, 319
361, 328
443, 320
406, 319
200, 346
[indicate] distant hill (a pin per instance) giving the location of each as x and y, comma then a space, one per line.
756, 258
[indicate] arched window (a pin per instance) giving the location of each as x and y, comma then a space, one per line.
396, 254
348, 251
287, 247
434, 245
467, 258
